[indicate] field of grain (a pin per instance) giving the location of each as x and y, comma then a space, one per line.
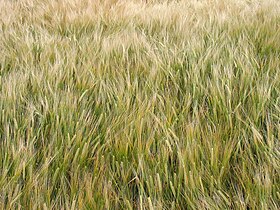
108, 104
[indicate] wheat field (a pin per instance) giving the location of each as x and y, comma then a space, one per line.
108, 104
